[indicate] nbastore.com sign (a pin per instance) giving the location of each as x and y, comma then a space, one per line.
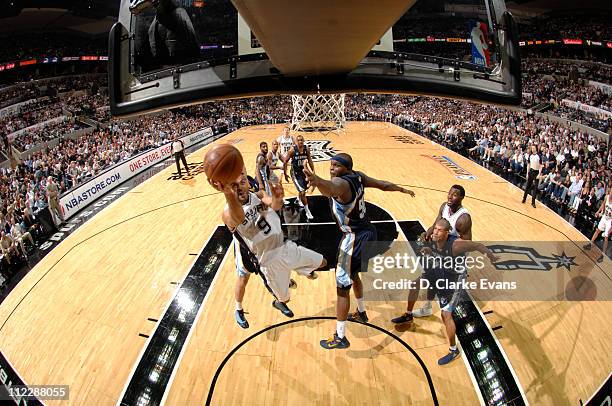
452, 166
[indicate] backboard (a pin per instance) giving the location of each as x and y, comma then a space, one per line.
169, 53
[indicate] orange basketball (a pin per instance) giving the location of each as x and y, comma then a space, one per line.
223, 163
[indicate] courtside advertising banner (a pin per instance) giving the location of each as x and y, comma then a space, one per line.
97, 187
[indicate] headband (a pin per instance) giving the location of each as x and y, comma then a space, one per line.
343, 162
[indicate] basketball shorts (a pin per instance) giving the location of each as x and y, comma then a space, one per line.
441, 282
278, 264
351, 253
299, 180
605, 225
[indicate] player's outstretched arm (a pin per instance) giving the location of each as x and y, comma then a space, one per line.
383, 185
337, 187
276, 200
461, 246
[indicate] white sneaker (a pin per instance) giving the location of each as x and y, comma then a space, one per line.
309, 215
424, 311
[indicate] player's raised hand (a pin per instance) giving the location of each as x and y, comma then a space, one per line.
311, 178
227, 189
218, 186
408, 192
277, 190
492, 257
426, 251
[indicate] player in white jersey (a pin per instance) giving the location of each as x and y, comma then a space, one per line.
605, 224
285, 142
461, 226
256, 224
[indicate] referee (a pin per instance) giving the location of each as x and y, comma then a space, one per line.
534, 169
178, 150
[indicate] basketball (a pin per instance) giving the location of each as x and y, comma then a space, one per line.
223, 163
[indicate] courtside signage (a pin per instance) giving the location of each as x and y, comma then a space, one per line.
452, 166
85, 194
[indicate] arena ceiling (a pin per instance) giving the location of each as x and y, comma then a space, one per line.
546, 6
95, 17
92, 17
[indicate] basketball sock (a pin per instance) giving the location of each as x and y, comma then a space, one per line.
238, 305
361, 304
452, 348
409, 312
340, 326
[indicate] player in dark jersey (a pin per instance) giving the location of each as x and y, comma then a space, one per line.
461, 226
263, 168
346, 193
299, 155
443, 275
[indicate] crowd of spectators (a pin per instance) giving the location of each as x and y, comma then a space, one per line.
576, 163
35, 45
549, 82
593, 27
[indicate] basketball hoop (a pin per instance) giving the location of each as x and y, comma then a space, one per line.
318, 112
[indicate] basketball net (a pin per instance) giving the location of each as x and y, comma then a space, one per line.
318, 112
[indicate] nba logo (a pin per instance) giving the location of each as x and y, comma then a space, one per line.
479, 35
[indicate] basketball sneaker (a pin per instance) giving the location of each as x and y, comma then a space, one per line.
404, 318
240, 319
424, 311
335, 343
292, 284
309, 215
587, 246
452, 354
312, 276
359, 317
286, 311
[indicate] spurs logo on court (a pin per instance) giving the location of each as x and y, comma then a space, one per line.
195, 168
533, 261
320, 150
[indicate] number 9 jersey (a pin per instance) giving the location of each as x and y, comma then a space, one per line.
261, 229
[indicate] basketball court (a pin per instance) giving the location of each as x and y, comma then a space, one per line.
136, 306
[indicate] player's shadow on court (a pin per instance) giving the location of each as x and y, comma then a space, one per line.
383, 389
275, 333
541, 364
